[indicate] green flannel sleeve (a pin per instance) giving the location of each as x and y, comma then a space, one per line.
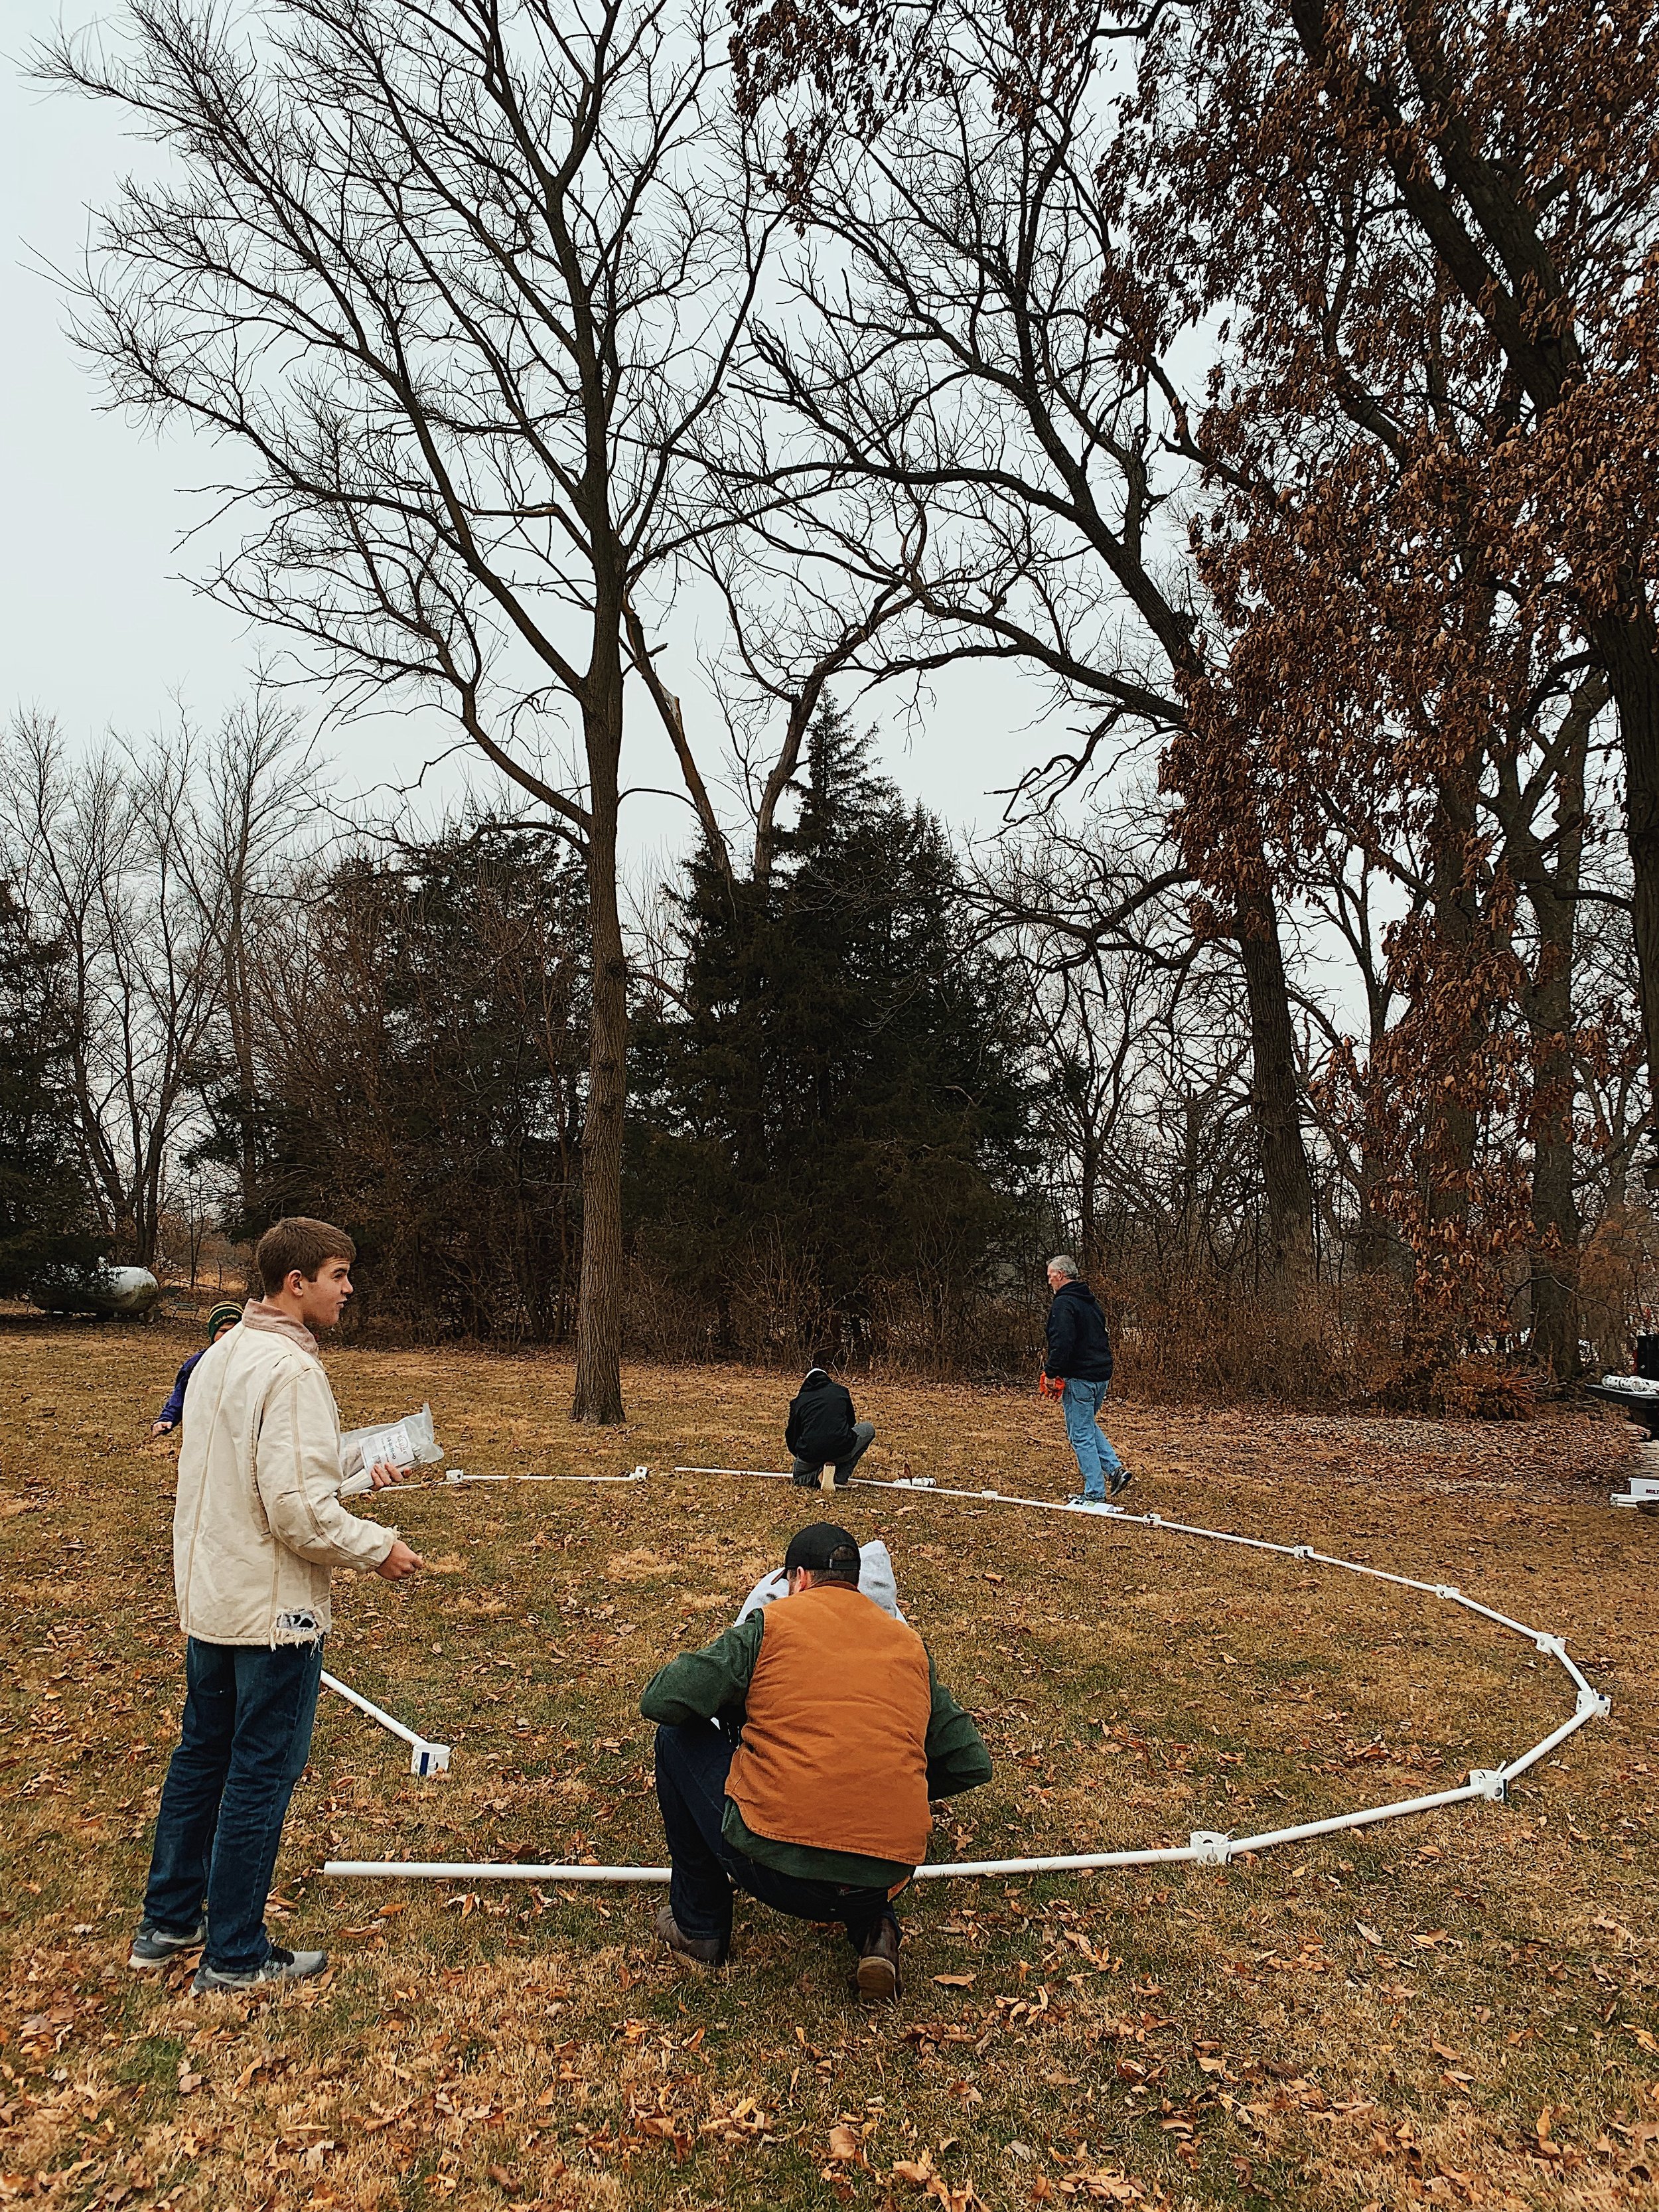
957, 1757
700, 1683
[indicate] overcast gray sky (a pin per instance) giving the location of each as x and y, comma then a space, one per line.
99, 624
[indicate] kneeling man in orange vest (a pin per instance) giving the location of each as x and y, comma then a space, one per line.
812, 1793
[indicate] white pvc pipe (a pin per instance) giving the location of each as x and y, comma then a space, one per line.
1543, 1750
1503, 1620
487, 1870
924, 1490
425, 1757
506, 1871
1074, 1863
456, 1481
1590, 1703
1358, 1567
1465, 1794
376, 1712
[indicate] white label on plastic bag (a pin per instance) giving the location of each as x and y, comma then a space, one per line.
392, 1447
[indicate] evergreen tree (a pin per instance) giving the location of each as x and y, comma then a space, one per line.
47, 1218
834, 1108
421, 1076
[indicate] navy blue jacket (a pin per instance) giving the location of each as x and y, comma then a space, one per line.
1079, 1350
174, 1411
821, 1419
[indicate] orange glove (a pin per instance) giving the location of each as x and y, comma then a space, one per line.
1051, 1386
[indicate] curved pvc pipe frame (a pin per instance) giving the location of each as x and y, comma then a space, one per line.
1205, 1847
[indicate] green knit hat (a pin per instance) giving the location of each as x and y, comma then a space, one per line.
226, 1309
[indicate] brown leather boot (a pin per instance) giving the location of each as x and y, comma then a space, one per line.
699, 1950
879, 1973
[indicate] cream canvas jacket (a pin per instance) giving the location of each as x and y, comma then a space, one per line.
259, 1521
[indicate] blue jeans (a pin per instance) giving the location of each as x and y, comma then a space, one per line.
1096, 1461
691, 1767
242, 1747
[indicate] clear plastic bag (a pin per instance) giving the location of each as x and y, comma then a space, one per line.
410, 1441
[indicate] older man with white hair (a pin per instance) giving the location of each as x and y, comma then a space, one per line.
1077, 1364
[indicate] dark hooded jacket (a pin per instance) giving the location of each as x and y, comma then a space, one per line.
1079, 1350
821, 1419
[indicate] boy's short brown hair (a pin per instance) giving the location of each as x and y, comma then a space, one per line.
298, 1241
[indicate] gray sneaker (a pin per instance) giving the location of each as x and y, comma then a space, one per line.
159, 1946
276, 1965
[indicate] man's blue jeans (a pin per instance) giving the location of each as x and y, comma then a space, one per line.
244, 1743
691, 1767
1096, 1461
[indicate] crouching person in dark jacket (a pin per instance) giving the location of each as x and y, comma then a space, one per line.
824, 1429
812, 1794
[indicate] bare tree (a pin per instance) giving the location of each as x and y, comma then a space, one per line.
259, 784
456, 286
105, 853
1003, 427
1141, 1042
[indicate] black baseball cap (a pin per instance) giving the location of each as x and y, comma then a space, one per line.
823, 1548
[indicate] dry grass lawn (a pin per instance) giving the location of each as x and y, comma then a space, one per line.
1459, 2009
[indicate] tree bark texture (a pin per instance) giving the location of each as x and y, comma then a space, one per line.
1453, 1127
598, 1397
1274, 1092
1552, 894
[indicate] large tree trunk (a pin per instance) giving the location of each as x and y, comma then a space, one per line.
598, 1396
1553, 1253
1458, 924
1287, 1183
1552, 894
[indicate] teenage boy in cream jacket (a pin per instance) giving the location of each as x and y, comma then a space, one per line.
257, 1526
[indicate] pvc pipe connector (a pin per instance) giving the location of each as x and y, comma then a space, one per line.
1490, 1782
1209, 1847
1593, 1705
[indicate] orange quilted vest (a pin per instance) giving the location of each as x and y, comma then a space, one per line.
833, 1750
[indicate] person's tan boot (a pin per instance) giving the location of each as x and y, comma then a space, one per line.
697, 1950
879, 1973
826, 1478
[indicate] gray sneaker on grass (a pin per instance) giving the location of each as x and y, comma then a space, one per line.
159, 1946
276, 1965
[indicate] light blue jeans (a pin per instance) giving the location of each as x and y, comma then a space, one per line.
1096, 1461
